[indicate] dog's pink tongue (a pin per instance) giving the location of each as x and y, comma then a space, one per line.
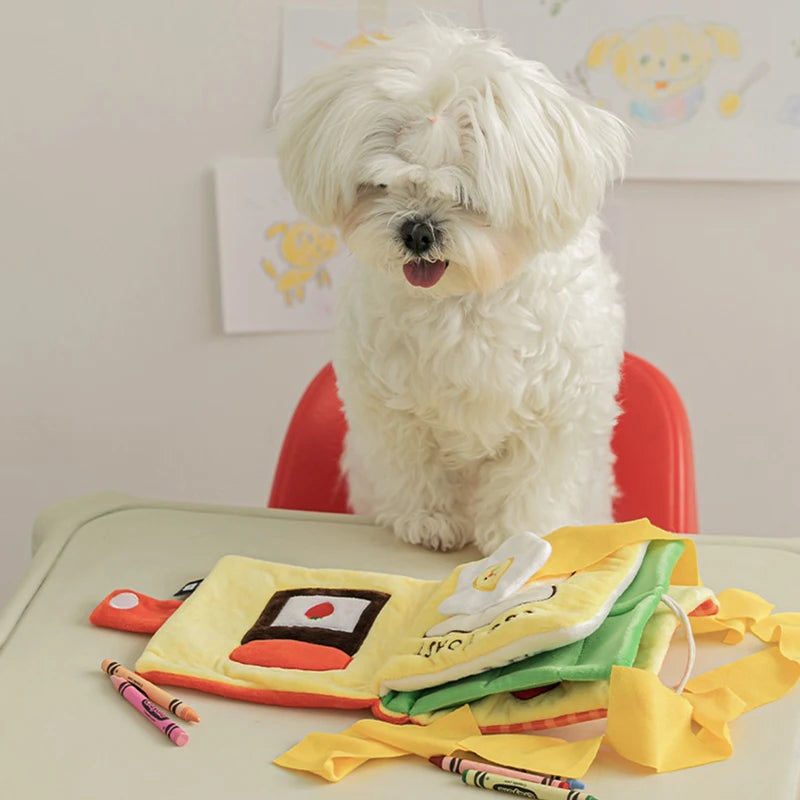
424, 273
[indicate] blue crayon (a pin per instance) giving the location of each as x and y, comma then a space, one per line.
574, 783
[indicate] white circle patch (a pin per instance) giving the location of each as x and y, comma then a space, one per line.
124, 600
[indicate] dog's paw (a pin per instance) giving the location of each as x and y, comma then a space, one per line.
489, 539
434, 530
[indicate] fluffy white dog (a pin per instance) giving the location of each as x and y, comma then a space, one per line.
479, 332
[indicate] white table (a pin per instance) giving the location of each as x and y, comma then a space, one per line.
65, 734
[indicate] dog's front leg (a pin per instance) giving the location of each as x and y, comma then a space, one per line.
395, 472
538, 483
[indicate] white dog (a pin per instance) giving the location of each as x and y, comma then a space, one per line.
480, 332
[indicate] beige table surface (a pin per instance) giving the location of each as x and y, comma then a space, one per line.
64, 734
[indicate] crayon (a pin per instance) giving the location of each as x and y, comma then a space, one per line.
574, 783
460, 764
539, 791
145, 706
155, 693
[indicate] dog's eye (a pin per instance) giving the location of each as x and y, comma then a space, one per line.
381, 185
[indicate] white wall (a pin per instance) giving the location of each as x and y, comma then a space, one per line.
712, 280
115, 374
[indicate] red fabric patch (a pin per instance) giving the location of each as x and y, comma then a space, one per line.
320, 610
126, 610
706, 609
548, 724
290, 654
526, 694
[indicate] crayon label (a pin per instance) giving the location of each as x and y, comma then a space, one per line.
501, 783
153, 709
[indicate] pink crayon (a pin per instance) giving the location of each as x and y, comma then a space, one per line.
458, 765
147, 708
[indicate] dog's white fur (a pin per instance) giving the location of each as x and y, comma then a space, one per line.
483, 405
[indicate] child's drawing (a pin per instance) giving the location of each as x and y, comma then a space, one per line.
663, 65
362, 39
711, 90
279, 271
731, 102
305, 248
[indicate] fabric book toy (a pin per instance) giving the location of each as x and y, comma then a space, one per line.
528, 636
543, 633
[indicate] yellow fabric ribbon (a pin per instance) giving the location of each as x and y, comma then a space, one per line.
576, 548
651, 725
738, 610
647, 723
334, 755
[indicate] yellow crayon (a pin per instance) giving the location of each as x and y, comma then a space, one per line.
155, 693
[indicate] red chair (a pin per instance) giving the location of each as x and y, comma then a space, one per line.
653, 445
652, 441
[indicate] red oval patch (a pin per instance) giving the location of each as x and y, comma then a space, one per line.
320, 610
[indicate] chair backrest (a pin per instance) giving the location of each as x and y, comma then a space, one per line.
307, 476
654, 468
653, 445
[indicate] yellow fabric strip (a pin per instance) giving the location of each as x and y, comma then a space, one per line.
784, 629
545, 754
713, 710
332, 756
738, 610
650, 725
576, 548
757, 679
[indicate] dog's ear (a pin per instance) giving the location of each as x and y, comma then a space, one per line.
565, 154
319, 130
304, 153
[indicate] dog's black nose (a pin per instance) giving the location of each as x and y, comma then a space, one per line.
418, 235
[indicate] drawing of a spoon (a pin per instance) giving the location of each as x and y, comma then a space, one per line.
731, 102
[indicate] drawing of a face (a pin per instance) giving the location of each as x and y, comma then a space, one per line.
305, 246
661, 61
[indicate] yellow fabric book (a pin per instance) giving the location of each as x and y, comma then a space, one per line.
282, 634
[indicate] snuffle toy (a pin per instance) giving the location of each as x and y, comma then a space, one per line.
543, 633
